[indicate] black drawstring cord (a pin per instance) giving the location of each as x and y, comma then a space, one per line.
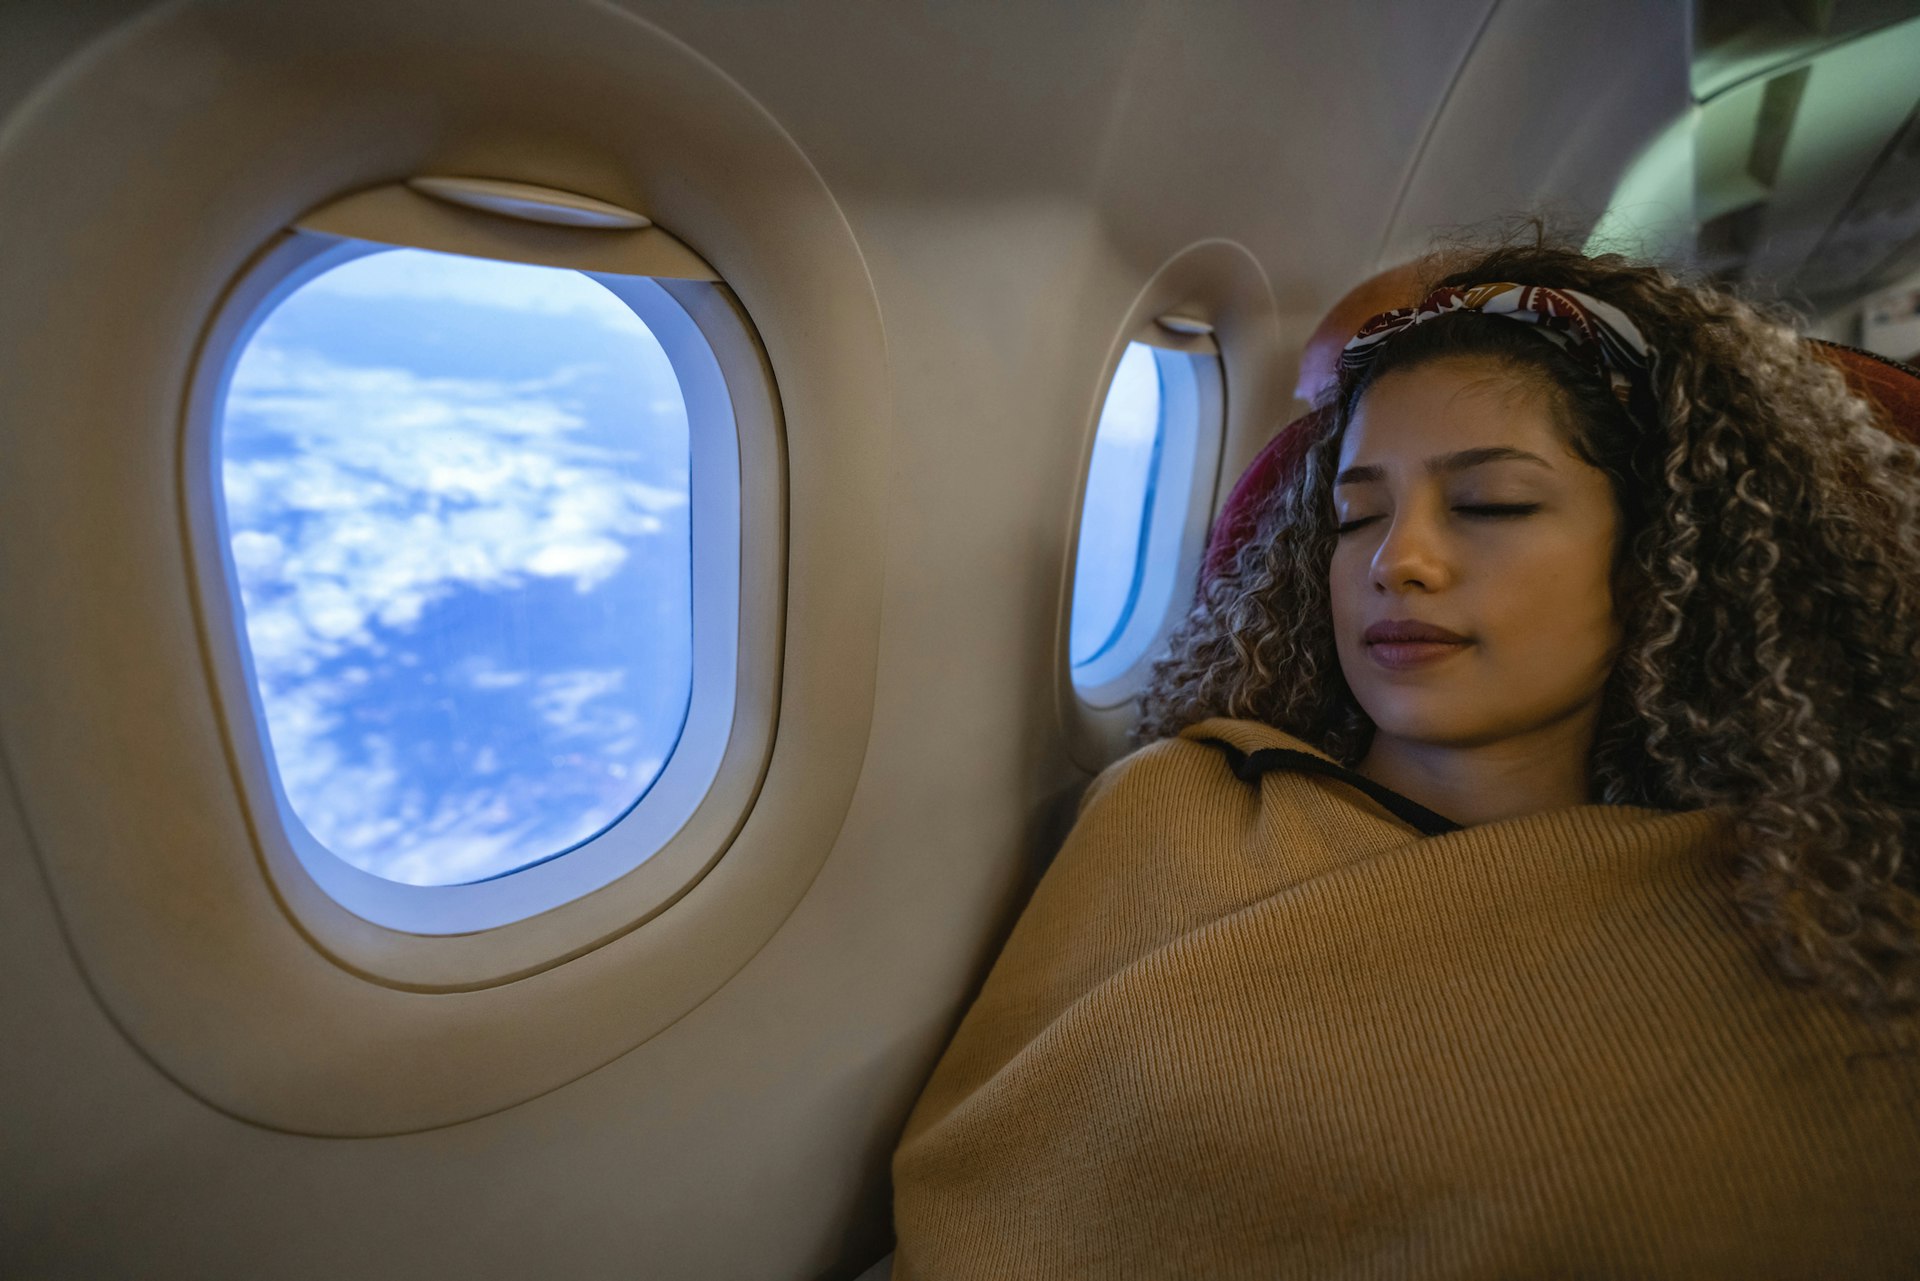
1249, 766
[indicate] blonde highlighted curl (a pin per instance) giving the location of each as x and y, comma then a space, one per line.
1768, 585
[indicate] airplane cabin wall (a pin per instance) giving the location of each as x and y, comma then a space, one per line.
1012, 176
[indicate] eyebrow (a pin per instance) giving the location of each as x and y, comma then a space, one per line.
1459, 460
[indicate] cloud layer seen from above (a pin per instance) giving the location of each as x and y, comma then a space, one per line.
456, 499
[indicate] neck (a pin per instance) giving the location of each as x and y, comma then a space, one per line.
1540, 769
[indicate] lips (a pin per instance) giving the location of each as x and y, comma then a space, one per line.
1406, 630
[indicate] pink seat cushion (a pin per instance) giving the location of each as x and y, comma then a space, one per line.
1894, 387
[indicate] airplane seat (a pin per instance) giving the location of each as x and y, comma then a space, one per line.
1889, 384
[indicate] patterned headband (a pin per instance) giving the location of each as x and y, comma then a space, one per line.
1593, 332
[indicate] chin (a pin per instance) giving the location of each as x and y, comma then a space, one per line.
1417, 717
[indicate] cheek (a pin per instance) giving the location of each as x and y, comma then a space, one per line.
1556, 608
1341, 585
1350, 564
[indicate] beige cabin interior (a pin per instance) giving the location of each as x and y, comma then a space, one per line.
939, 225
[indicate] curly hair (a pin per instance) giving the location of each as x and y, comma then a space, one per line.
1767, 582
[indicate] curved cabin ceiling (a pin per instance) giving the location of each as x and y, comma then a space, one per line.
1318, 136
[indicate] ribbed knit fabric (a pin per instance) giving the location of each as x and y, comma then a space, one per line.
1268, 1030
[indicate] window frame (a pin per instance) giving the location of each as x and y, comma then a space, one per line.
169, 917
475, 934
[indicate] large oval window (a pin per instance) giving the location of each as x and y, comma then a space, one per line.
457, 505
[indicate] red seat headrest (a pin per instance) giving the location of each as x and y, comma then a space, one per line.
1240, 514
1892, 386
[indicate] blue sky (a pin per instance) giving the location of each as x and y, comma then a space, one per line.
456, 497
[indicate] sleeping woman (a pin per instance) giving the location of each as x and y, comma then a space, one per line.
1519, 876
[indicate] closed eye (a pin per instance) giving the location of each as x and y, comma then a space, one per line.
1489, 511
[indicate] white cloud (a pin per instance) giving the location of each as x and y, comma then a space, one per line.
585, 561
377, 816
482, 674
564, 696
399, 488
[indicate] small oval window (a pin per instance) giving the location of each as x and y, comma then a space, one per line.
1116, 518
1143, 519
456, 495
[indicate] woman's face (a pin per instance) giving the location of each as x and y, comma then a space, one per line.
1528, 588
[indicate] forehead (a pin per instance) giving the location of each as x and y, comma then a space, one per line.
1452, 404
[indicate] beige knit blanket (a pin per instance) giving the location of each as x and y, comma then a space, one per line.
1266, 1029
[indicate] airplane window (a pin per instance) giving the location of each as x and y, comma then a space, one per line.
1116, 518
457, 497
1143, 520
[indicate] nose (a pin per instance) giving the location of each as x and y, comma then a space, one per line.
1411, 555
